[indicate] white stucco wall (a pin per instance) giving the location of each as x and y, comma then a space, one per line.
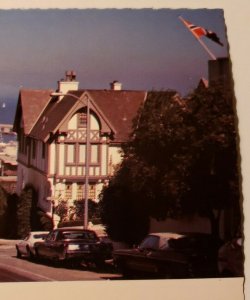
61, 159
115, 154
72, 124
52, 158
94, 124
191, 224
39, 181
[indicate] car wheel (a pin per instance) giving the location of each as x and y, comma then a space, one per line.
18, 253
100, 263
37, 255
126, 272
30, 254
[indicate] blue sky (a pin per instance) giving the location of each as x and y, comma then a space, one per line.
143, 48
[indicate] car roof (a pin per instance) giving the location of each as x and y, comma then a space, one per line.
169, 235
72, 229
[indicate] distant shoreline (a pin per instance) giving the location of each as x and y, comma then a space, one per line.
9, 137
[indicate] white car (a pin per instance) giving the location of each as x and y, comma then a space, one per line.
26, 246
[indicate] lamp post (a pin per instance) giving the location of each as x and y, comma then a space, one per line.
86, 187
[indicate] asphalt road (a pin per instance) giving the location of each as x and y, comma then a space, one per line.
13, 269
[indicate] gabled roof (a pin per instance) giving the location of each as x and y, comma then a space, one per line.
52, 116
30, 105
120, 107
117, 108
203, 83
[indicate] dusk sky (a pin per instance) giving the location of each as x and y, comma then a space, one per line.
144, 49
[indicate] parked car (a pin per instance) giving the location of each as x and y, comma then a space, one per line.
231, 259
26, 246
74, 246
170, 255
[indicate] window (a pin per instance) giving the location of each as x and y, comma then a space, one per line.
70, 155
150, 242
33, 149
82, 120
94, 154
80, 191
74, 235
82, 153
68, 191
92, 192
52, 236
43, 150
75, 154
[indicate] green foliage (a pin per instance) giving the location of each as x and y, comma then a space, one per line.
93, 209
214, 174
62, 210
29, 216
3, 210
11, 217
24, 211
3, 200
76, 211
45, 222
157, 158
181, 159
123, 214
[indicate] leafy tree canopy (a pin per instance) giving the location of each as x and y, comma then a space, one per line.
181, 159
3, 200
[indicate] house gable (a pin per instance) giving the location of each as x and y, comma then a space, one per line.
58, 113
30, 105
120, 108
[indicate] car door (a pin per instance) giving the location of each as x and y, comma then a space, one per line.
46, 248
141, 259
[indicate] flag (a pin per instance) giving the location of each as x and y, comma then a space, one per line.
198, 31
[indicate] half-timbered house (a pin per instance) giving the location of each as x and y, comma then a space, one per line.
52, 133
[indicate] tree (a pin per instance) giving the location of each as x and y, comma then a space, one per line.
175, 161
29, 216
24, 211
3, 210
125, 217
136, 193
11, 216
214, 176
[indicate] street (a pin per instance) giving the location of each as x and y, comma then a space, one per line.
13, 269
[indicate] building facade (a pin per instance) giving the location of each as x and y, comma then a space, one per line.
52, 136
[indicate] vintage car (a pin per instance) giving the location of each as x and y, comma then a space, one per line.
74, 246
170, 255
26, 246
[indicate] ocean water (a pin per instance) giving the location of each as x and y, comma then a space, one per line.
7, 115
9, 137
7, 111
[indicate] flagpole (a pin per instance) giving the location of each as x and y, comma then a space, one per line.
206, 48
199, 40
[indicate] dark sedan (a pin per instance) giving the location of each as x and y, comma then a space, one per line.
170, 255
73, 245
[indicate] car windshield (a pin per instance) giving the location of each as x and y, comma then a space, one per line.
150, 242
72, 235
